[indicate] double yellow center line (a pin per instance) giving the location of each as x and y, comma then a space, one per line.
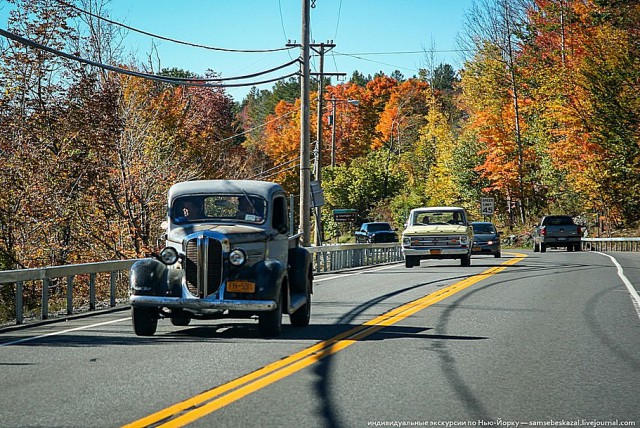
196, 407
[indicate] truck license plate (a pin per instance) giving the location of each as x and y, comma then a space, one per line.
435, 252
241, 286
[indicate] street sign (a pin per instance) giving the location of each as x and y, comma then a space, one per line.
317, 195
486, 206
345, 215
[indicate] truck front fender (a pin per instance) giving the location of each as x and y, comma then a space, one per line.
148, 277
269, 275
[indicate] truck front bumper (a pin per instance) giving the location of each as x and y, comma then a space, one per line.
435, 252
206, 305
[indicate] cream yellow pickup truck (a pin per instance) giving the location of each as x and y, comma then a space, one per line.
437, 233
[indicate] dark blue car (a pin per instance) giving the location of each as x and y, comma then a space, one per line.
376, 232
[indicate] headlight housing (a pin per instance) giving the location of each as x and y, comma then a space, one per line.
406, 241
237, 257
169, 256
464, 240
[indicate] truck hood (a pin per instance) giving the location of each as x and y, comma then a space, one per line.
237, 234
436, 229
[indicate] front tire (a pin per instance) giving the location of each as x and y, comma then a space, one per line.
411, 261
465, 261
145, 321
270, 323
302, 316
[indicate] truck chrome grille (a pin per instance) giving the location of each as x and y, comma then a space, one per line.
203, 266
435, 241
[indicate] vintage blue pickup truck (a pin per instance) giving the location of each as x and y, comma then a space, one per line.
228, 253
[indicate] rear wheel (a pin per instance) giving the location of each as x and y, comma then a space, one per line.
180, 318
145, 321
577, 247
270, 323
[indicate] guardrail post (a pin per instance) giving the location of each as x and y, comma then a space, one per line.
70, 294
45, 299
19, 316
92, 292
112, 293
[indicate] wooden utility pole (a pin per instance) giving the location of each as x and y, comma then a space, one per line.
320, 49
305, 137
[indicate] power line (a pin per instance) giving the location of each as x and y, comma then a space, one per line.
254, 128
279, 172
406, 52
146, 33
164, 79
262, 174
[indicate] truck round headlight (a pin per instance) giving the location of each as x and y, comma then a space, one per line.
169, 255
237, 257
464, 240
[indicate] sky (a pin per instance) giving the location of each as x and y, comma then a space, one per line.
370, 35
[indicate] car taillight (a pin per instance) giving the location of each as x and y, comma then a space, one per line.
543, 231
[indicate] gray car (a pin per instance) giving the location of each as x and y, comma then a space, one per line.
486, 239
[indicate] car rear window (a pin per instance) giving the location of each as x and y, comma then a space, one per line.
558, 221
377, 227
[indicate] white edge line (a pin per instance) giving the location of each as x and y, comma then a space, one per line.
56, 333
632, 291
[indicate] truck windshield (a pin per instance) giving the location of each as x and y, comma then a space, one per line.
242, 208
438, 217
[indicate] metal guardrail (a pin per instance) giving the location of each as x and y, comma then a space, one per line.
46, 275
328, 258
611, 244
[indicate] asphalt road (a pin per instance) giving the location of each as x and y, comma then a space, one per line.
530, 339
